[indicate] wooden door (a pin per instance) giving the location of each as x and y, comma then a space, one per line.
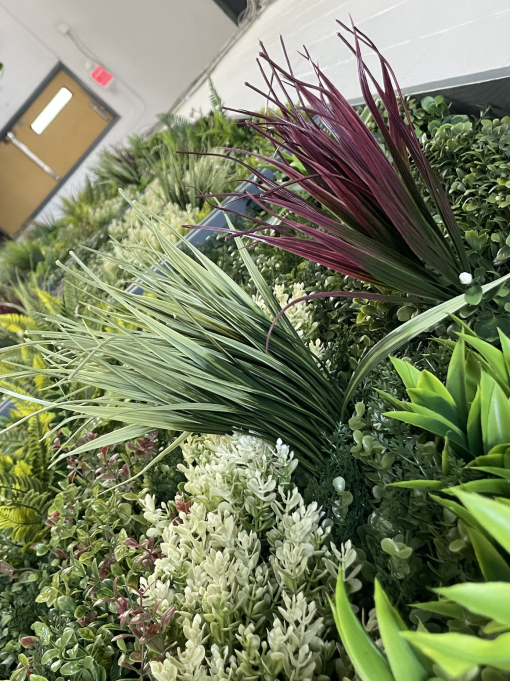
44, 144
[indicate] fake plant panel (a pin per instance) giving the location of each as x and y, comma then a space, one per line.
209, 556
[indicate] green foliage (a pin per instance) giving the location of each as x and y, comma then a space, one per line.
24, 501
196, 343
17, 258
92, 543
472, 410
486, 641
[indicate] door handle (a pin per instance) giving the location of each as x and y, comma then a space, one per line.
11, 137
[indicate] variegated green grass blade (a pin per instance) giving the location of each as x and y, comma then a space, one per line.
115, 437
189, 355
173, 445
426, 321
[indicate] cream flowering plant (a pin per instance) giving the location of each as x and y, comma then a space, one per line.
246, 565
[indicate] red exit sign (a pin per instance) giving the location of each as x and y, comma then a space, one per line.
101, 76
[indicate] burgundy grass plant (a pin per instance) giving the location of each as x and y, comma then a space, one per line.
365, 216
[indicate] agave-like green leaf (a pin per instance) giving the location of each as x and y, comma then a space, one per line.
418, 484
474, 425
494, 357
490, 599
494, 486
456, 381
493, 516
405, 663
426, 321
436, 403
442, 607
369, 663
409, 374
492, 564
505, 347
461, 512
498, 456
434, 423
495, 413
457, 653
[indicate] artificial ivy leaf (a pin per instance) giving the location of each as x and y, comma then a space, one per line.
49, 655
474, 294
42, 631
72, 667
66, 604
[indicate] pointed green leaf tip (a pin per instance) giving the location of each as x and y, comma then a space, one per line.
369, 663
405, 663
457, 653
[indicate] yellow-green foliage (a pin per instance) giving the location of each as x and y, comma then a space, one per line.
24, 451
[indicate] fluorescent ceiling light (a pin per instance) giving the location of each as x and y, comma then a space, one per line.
51, 110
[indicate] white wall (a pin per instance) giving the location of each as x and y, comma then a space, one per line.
26, 63
154, 49
424, 40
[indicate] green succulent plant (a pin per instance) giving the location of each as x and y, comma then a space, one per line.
472, 409
422, 655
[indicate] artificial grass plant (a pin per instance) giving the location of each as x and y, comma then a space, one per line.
364, 213
189, 354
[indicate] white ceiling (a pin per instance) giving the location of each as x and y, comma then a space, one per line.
154, 49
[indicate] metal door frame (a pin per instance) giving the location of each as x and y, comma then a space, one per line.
47, 80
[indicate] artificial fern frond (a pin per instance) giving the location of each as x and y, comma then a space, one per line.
215, 99
15, 487
173, 121
23, 520
16, 323
38, 455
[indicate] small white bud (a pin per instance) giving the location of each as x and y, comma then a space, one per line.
465, 278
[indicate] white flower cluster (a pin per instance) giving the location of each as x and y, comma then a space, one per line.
248, 566
300, 315
104, 211
130, 231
